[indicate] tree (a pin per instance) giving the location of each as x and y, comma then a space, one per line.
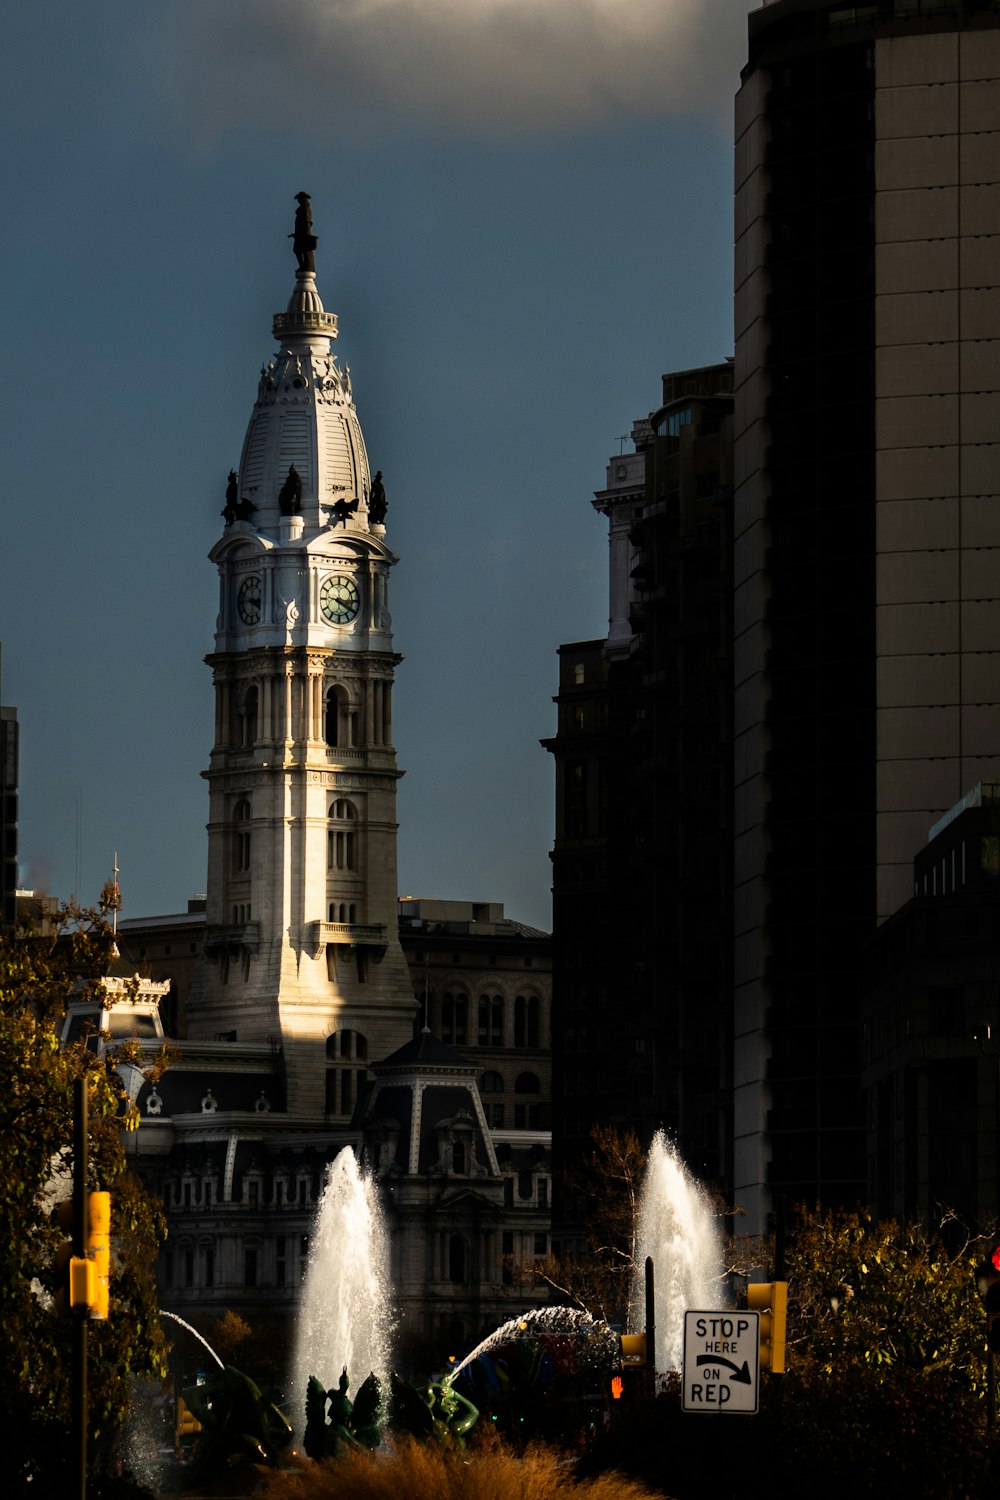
886, 1344
37, 976
607, 1187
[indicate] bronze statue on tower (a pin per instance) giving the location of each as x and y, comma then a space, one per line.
304, 242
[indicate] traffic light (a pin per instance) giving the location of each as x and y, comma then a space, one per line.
770, 1299
84, 1279
99, 1251
988, 1285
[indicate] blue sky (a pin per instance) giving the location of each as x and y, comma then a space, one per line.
525, 217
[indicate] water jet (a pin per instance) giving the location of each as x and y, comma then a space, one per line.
676, 1228
345, 1316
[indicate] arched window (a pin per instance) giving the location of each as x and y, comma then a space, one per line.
491, 1083
526, 1021
490, 1021
340, 720
527, 1083
454, 1018
456, 1258
458, 1157
241, 837
340, 841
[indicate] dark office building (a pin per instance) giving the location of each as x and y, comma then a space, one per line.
642, 875
931, 1028
866, 529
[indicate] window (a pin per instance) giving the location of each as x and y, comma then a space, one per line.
491, 1083
208, 1264
340, 841
456, 1258
527, 1083
334, 718
494, 1115
241, 837
454, 1019
279, 1260
248, 719
250, 1265
526, 1018
458, 1158
490, 1021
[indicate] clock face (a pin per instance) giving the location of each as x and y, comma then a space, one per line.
248, 601
338, 599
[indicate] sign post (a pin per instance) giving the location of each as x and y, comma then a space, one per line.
721, 1361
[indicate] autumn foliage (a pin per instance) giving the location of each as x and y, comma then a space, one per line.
37, 976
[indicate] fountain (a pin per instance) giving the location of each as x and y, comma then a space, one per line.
344, 1317
174, 1318
677, 1229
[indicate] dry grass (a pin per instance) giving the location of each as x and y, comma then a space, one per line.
422, 1471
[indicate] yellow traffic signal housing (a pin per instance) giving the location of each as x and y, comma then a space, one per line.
99, 1251
85, 1279
770, 1299
187, 1422
633, 1348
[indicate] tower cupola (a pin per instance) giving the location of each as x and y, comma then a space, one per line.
304, 455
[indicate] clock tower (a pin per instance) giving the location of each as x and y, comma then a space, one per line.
302, 946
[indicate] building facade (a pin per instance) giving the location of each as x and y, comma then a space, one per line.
641, 861
866, 529
931, 1029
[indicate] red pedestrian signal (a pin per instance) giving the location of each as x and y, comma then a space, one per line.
988, 1285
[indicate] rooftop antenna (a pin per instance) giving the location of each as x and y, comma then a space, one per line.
114, 909
622, 440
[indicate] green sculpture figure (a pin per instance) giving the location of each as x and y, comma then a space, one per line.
438, 1411
351, 1425
236, 1422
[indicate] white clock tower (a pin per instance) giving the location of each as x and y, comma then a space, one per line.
302, 945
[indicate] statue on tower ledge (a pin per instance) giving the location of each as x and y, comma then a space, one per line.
236, 509
377, 503
290, 493
304, 242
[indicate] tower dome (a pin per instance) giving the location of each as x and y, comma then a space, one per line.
304, 419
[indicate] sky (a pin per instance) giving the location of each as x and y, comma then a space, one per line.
524, 210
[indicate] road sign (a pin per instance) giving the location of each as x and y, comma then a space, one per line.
721, 1361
